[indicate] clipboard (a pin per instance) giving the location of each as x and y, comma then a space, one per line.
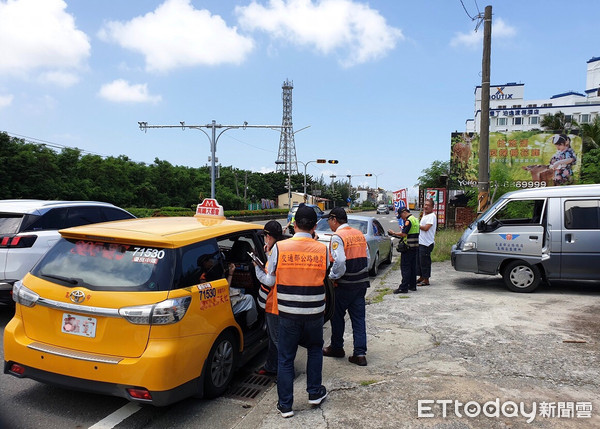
256, 259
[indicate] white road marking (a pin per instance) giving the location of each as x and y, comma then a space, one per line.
117, 417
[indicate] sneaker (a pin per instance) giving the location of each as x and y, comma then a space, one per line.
334, 352
317, 398
263, 371
285, 412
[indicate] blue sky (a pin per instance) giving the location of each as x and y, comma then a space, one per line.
380, 84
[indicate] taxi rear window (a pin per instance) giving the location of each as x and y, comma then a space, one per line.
107, 266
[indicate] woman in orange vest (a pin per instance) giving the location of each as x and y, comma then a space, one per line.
267, 299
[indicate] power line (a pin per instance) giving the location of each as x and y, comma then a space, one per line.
41, 142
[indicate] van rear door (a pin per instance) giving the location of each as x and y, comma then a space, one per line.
580, 236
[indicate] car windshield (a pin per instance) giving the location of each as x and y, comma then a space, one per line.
323, 226
107, 266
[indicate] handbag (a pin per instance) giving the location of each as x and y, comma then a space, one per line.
402, 246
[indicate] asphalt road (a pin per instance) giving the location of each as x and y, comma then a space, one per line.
464, 338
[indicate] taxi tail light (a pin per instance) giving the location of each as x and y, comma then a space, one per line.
17, 241
24, 296
16, 369
163, 313
139, 393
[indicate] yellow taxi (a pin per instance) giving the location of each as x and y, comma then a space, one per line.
140, 308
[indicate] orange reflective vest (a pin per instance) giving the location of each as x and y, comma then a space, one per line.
355, 248
299, 277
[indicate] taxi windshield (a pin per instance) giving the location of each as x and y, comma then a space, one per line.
107, 266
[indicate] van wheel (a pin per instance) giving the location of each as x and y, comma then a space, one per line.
373, 271
220, 365
519, 276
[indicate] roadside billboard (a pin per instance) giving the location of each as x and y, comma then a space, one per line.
400, 199
529, 159
439, 197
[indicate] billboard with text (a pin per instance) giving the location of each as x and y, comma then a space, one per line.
528, 158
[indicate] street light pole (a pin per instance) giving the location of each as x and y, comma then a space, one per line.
213, 139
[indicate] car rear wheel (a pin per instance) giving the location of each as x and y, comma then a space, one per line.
375, 269
390, 257
519, 276
220, 365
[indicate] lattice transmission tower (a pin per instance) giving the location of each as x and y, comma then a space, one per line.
286, 158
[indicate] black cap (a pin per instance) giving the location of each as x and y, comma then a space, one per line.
305, 212
274, 229
339, 213
403, 209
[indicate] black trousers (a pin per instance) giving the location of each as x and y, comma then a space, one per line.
408, 267
424, 261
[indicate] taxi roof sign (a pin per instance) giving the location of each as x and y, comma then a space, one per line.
210, 207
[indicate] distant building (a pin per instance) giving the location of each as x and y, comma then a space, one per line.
509, 111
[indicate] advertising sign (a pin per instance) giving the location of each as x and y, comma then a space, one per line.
400, 199
439, 197
529, 159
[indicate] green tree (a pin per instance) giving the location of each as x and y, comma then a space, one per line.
590, 134
434, 176
557, 123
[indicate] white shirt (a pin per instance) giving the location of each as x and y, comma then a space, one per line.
427, 238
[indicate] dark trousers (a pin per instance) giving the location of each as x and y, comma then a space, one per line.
424, 261
353, 301
408, 267
273, 333
294, 333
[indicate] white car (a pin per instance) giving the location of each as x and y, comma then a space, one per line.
378, 240
29, 228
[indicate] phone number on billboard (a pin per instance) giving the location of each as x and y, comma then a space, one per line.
517, 184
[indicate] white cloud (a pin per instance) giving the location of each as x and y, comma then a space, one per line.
60, 78
177, 35
500, 30
344, 27
39, 34
5, 100
121, 91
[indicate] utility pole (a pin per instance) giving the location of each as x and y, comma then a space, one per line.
213, 138
484, 136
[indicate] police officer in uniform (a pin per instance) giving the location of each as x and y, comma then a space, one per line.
350, 271
408, 261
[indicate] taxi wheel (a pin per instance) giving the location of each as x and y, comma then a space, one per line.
519, 276
220, 365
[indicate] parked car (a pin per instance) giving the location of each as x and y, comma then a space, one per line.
535, 234
378, 240
28, 228
383, 208
141, 308
320, 214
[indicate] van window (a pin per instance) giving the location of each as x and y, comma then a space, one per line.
519, 212
582, 214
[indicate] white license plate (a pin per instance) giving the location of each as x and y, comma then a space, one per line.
78, 325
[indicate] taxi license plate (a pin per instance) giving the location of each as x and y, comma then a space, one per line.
78, 325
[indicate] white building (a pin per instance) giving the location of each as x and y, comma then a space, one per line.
509, 111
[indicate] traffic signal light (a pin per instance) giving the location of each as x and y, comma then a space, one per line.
368, 174
333, 161
321, 161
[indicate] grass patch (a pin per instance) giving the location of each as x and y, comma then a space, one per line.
379, 297
444, 240
367, 382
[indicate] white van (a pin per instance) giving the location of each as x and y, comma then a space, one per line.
533, 234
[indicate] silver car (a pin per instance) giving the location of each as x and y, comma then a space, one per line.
378, 240
383, 208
